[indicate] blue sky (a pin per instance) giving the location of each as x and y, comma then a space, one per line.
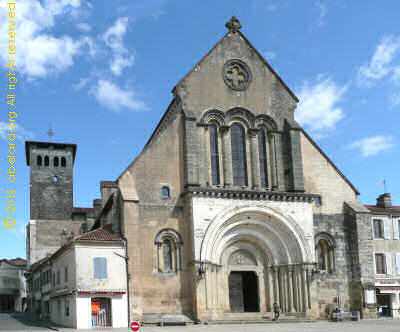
102, 73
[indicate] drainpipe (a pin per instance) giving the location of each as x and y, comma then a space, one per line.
127, 275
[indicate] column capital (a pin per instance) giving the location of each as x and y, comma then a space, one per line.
253, 132
224, 130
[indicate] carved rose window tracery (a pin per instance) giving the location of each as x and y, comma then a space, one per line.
236, 75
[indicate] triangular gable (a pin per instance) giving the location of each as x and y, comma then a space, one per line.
229, 33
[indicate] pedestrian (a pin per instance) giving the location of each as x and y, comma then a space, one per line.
276, 310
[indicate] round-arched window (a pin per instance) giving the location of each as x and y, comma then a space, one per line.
165, 192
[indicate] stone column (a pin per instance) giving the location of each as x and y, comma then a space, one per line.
299, 290
285, 289
304, 286
268, 153
255, 160
227, 156
308, 287
290, 287
278, 160
261, 291
272, 169
160, 260
295, 293
276, 284
281, 290
206, 156
269, 288
331, 260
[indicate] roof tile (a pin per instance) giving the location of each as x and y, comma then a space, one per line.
101, 234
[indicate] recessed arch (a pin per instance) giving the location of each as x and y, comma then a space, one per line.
168, 232
281, 238
241, 114
266, 122
213, 115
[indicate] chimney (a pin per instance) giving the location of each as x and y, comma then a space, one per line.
384, 201
97, 207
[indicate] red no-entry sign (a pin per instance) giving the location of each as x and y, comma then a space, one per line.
135, 326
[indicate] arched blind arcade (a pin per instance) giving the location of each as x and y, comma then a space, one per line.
262, 152
239, 167
214, 155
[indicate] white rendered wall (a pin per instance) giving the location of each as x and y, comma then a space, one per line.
206, 209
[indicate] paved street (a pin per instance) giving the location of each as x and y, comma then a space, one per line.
18, 322
362, 326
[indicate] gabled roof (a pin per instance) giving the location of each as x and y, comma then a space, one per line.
330, 161
101, 234
228, 34
381, 210
15, 261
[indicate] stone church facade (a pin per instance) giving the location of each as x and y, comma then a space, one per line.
231, 205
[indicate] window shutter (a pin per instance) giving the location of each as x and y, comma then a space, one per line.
104, 268
373, 257
388, 263
386, 228
395, 229
96, 267
398, 263
373, 230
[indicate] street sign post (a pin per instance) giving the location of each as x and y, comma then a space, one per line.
135, 326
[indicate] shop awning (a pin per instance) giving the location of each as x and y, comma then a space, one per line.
388, 289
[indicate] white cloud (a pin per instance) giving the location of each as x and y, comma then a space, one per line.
81, 84
318, 109
321, 12
21, 133
38, 53
84, 27
269, 55
113, 97
394, 99
373, 145
114, 39
382, 62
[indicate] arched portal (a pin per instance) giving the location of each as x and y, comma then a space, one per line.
257, 256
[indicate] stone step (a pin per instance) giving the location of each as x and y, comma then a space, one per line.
260, 318
166, 319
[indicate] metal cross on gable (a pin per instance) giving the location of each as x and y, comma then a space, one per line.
236, 75
50, 132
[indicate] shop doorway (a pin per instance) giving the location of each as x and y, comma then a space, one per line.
7, 303
243, 291
101, 312
384, 305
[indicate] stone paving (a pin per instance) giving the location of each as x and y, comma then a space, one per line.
15, 322
18, 322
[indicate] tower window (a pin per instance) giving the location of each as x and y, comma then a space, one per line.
46, 161
63, 162
167, 255
262, 152
239, 165
214, 154
165, 192
55, 161
39, 160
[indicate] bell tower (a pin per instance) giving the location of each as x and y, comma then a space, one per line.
51, 179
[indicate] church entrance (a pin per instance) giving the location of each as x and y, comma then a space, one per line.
243, 291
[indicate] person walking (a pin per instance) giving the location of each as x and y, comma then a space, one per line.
276, 310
